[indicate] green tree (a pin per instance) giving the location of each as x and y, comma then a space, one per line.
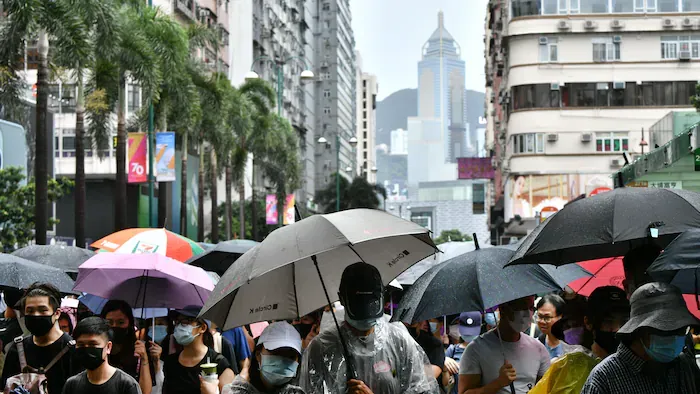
48, 21
17, 218
241, 123
452, 236
358, 194
248, 230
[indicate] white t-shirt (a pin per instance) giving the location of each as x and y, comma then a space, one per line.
484, 357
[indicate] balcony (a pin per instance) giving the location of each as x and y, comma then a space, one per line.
186, 9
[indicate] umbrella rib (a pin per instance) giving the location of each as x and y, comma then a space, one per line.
354, 251
294, 283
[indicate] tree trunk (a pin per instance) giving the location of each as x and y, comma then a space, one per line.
229, 208
183, 188
41, 160
254, 206
122, 138
241, 207
200, 202
281, 200
80, 192
214, 198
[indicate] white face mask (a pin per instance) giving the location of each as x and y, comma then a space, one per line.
522, 320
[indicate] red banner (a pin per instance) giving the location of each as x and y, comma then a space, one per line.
136, 159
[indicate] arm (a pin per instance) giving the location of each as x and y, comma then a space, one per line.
226, 378
145, 381
471, 384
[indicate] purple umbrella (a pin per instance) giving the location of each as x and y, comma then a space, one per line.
144, 280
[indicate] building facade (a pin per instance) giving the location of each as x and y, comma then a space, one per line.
367, 90
573, 84
336, 103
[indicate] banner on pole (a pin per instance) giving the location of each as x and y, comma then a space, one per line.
165, 156
289, 209
271, 209
136, 158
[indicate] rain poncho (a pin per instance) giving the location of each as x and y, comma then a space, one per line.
241, 386
388, 361
567, 374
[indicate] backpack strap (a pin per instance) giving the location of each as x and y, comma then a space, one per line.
19, 342
60, 354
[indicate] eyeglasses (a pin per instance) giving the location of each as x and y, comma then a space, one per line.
185, 321
545, 319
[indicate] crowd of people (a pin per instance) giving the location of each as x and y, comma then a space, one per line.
638, 340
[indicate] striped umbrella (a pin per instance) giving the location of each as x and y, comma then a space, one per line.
149, 240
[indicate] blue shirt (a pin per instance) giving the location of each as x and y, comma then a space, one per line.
239, 341
556, 351
455, 352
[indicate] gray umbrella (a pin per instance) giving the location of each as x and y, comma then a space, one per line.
66, 258
19, 273
221, 256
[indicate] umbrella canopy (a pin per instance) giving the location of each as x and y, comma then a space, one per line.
149, 240
679, 263
448, 250
606, 272
221, 256
144, 280
65, 258
476, 281
279, 279
19, 273
609, 225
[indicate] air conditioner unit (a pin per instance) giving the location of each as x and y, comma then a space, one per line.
668, 23
617, 24
688, 22
619, 85
684, 55
544, 41
590, 25
553, 86
586, 137
563, 25
552, 137
616, 163
617, 39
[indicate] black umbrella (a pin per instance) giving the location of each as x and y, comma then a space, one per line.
679, 263
610, 224
19, 273
65, 258
221, 256
476, 281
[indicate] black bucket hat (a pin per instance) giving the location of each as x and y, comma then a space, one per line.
659, 306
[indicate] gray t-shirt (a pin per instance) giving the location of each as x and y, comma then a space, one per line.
484, 357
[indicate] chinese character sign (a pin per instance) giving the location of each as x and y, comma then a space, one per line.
475, 168
136, 158
666, 184
165, 157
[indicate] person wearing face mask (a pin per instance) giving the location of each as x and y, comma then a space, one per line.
274, 365
468, 327
129, 353
483, 370
650, 357
182, 369
424, 334
386, 358
93, 346
41, 304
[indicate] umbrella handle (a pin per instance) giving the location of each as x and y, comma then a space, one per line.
352, 371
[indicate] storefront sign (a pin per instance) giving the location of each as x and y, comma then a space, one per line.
475, 168
666, 184
547, 212
638, 184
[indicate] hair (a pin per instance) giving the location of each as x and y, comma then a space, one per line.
43, 290
207, 336
556, 301
93, 326
64, 316
636, 262
121, 306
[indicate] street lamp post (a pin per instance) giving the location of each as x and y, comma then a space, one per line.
278, 64
353, 142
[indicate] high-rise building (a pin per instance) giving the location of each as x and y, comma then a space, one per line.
367, 89
399, 142
572, 86
441, 93
335, 91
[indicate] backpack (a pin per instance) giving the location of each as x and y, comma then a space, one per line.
31, 380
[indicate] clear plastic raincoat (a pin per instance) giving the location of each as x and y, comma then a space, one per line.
388, 361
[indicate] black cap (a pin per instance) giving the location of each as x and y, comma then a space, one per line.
361, 291
607, 300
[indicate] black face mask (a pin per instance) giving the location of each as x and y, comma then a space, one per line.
39, 325
120, 334
303, 329
606, 340
89, 357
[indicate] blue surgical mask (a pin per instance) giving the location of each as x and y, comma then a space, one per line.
665, 349
362, 325
468, 338
159, 333
276, 370
433, 326
183, 334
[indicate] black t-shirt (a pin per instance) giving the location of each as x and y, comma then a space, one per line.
185, 380
39, 357
119, 383
9, 330
433, 348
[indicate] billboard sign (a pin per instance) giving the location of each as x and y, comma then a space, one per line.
165, 156
136, 159
475, 168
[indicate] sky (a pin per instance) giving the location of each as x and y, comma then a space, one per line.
390, 34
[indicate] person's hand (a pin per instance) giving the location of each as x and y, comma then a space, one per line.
696, 339
451, 366
140, 350
206, 387
310, 336
155, 351
358, 387
506, 375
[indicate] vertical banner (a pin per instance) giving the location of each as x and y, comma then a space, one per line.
289, 209
271, 209
136, 158
165, 156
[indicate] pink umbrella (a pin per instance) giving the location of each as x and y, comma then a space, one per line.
144, 280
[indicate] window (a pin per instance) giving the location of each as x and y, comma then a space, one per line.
364, 145
611, 142
691, 5
593, 6
644, 5
364, 104
327, 24
605, 50
548, 49
133, 101
582, 94
364, 95
536, 96
68, 146
326, 75
364, 124
478, 198
528, 143
673, 46
602, 96
525, 7
665, 5
326, 7
621, 6
327, 93
327, 110
364, 155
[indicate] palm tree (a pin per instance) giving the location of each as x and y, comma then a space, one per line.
240, 122
358, 194
43, 19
